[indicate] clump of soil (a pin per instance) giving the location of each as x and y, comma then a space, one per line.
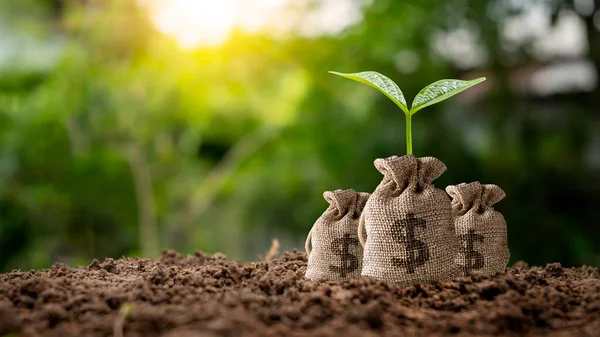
207, 295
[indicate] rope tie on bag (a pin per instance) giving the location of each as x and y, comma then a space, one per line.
361, 225
307, 244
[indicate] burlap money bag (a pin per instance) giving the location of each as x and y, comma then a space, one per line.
481, 230
337, 253
410, 234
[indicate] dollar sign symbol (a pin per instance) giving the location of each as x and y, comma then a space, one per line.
348, 262
473, 259
416, 251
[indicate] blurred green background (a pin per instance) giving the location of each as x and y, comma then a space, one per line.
129, 126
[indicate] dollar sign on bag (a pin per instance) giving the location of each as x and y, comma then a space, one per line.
341, 248
416, 251
473, 259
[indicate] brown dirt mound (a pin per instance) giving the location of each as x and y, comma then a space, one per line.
207, 295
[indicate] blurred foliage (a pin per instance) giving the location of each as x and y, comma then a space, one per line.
116, 141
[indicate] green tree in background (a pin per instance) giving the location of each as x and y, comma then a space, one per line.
116, 141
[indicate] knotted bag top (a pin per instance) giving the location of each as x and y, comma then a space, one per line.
474, 196
409, 172
342, 202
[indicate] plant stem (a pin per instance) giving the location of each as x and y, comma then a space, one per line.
408, 134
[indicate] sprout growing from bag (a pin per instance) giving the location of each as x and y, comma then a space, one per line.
430, 95
408, 221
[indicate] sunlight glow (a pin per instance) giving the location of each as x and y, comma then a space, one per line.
195, 22
209, 22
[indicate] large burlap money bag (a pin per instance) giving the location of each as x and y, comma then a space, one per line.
409, 230
337, 253
481, 230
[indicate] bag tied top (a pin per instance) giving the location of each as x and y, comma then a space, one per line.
337, 254
481, 230
410, 233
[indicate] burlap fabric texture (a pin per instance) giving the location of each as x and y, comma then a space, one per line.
481, 230
409, 230
337, 254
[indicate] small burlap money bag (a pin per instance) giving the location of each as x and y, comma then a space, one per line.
410, 234
481, 230
337, 253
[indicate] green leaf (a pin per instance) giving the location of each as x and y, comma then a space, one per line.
381, 83
439, 91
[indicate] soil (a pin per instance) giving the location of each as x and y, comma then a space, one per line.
207, 295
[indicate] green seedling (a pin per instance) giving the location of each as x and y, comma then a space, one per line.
431, 94
126, 310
